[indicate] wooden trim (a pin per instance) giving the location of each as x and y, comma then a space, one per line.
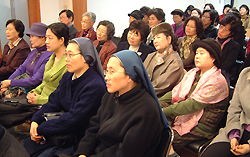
34, 11
79, 7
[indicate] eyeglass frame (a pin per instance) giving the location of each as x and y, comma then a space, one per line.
70, 55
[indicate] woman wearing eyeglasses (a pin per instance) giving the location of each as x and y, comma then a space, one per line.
208, 18
78, 96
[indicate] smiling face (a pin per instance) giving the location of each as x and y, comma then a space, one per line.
190, 28
52, 42
161, 42
203, 60
11, 32
36, 41
116, 78
153, 21
102, 33
134, 38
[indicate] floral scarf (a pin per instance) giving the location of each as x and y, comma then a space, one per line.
211, 88
160, 56
185, 46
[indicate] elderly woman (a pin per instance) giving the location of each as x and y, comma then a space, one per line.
208, 19
164, 66
196, 12
30, 73
78, 95
104, 45
15, 51
244, 11
145, 10
88, 20
156, 16
138, 31
193, 29
198, 102
178, 17
229, 31
129, 112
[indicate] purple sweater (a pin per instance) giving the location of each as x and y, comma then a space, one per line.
180, 31
38, 70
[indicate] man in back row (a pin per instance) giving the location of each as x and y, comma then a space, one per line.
67, 17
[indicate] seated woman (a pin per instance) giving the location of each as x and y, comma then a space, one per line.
78, 95
134, 15
233, 140
137, 34
88, 20
193, 29
30, 73
226, 9
229, 31
245, 18
178, 18
196, 12
15, 51
208, 19
155, 17
57, 38
198, 102
129, 112
104, 45
164, 67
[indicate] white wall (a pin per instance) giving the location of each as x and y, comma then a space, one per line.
50, 9
117, 11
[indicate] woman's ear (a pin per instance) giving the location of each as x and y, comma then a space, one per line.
62, 40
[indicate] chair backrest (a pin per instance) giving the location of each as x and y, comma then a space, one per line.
166, 140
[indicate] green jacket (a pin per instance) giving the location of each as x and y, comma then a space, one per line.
51, 78
208, 124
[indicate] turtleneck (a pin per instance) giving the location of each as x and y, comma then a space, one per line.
221, 41
99, 46
42, 48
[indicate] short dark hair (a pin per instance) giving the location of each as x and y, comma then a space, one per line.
145, 10
246, 7
226, 6
198, 24
110, 28
178, 12
198, 10
140, 26
210, 5
19, 26
212, 14
69, 13
159, 14
60, 30
234, 22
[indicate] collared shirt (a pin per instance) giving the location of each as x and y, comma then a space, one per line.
15, 43
70, 25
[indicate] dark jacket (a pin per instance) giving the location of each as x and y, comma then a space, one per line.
72, 32
124, 35
144, 49
128, 125
16, 57
79, 99
210, 32
229, 55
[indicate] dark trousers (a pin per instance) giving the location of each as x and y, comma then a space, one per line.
222, 149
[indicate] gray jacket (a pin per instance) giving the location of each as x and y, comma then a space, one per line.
239, 109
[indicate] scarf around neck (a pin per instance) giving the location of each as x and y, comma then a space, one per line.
211, 88
185, 46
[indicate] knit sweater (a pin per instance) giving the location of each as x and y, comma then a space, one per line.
79, 99
51, 78
129, 125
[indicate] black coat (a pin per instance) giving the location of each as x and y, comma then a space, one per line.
144, 49
210, 32
129, 125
